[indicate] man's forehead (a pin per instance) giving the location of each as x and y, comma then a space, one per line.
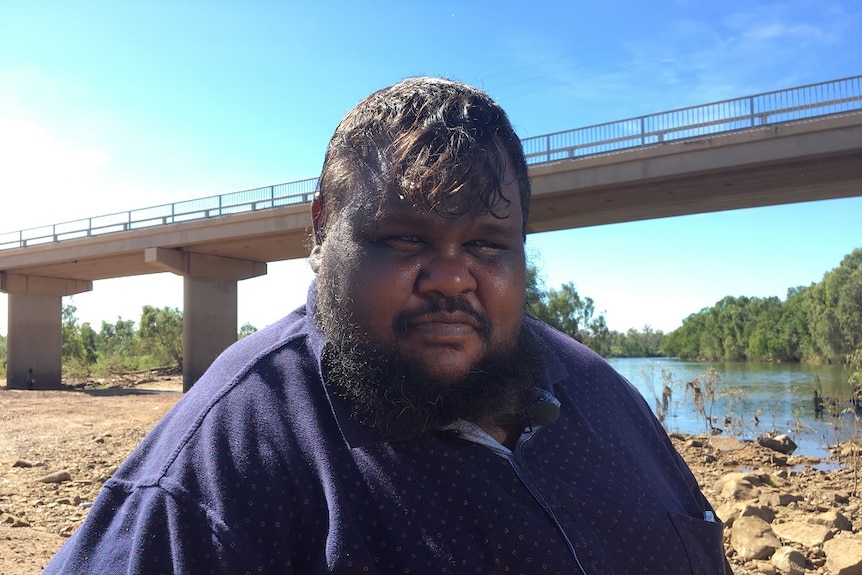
393, 206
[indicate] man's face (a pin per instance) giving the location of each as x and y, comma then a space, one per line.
439, 293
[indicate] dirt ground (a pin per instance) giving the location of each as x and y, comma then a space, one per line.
44, 434
58, 447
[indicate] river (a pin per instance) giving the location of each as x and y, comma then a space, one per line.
751, 399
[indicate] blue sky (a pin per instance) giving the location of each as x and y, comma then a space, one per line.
110, 106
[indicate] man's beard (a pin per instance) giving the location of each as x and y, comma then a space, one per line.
397, 398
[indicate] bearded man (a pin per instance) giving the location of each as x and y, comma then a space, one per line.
410, 418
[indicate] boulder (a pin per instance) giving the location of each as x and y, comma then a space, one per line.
726, 444
789, 561
844, 555
779, 443
834, 520
730, 512
779, 499
806, 534
752, 538
738, 486
763, 568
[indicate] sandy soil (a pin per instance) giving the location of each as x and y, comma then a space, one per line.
86, 434
58, 447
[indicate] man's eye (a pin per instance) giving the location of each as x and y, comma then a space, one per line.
486, 247
404, 242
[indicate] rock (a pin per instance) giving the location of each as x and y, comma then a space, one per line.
834, 520
806, 534
764, 568
12, 520
844, 555
22, 463
726, 444
57, 477
779, 443
808, 460
752, 538
789, 561
738, 486
776, 499
730, 512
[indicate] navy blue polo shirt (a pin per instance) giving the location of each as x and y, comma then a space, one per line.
259, 470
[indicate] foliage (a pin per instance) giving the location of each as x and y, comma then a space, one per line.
818, 323
576, 316
245, 330
565, 310
119, 346
634, 343
2, 356
854, 364
160, 335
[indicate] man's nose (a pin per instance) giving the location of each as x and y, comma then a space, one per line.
447, 273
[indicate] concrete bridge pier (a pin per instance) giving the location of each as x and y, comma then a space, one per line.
35, 338
209, 303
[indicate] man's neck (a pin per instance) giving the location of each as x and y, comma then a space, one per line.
506, 435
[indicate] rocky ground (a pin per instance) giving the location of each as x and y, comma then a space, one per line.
784, 514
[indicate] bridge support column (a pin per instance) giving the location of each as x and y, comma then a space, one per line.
209, 303
35, 338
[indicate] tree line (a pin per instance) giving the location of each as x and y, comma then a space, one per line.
576, 316
820, 323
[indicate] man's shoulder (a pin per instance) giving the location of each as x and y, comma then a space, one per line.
290, 331
283, 346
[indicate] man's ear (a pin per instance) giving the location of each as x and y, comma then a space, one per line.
316, 216
316, 212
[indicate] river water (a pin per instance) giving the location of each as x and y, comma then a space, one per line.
750, 399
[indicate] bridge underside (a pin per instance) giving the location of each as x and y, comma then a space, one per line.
750, 187
782, 165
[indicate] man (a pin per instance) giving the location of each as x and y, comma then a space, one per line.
410, 418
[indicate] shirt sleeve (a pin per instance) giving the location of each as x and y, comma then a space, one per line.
146, 531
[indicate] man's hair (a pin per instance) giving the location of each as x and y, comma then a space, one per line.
441, 145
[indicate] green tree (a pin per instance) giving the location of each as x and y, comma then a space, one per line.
684, 342
599, 338
835, 310
73, 347
245, 330
534, 293
117, 342
565, 310
2, 356
89, 344
635, 343
160, 334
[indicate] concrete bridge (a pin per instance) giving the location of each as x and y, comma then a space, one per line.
781, 147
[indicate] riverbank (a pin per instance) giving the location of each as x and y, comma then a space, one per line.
58, 447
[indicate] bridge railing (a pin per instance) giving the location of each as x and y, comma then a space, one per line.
793, 104
214, 206
813, 100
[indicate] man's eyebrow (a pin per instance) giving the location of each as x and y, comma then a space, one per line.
499, 226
